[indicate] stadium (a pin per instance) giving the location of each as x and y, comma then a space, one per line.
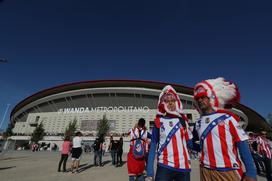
122, 102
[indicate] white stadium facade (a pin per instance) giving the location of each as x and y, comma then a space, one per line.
123, 102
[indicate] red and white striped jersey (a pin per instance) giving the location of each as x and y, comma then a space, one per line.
219, 149
175, 154
264, 146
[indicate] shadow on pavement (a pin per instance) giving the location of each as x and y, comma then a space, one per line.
106, 162
84, 167
123, 163
5, 168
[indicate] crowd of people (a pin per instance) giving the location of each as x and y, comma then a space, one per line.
225, 151
40, 146
222, 144
75, 149
260, 148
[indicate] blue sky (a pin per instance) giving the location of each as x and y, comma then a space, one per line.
51, 42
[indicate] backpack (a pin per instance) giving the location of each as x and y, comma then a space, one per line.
139, 149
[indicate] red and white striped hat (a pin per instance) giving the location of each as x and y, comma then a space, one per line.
162, 108
219, 91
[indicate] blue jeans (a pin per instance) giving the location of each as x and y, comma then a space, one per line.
138, 178
97, 155
165, 174
114, 157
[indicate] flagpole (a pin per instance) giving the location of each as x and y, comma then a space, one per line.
3, 119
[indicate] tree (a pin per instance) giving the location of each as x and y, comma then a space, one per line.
8, 132
71, 129
103, 127
38, 133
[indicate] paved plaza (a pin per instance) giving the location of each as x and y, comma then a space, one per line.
42, 166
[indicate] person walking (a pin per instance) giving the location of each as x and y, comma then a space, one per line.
76, 152
253, 146
120, 152
97, 146
66, 146
136, 154
264, 150
113, 150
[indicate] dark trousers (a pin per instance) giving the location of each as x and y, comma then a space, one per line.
267, 164
63, 159
119, 157
98, 155
258, 162
114, 157
138, 178
165, 174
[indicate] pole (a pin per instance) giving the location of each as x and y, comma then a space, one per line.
4, 115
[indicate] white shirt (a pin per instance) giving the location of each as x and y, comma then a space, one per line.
77, 142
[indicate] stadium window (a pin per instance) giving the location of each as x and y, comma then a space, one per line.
101, 95
124, 95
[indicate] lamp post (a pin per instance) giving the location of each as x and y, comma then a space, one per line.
4, 116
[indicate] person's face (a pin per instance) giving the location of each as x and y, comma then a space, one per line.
170, 102
204, 104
